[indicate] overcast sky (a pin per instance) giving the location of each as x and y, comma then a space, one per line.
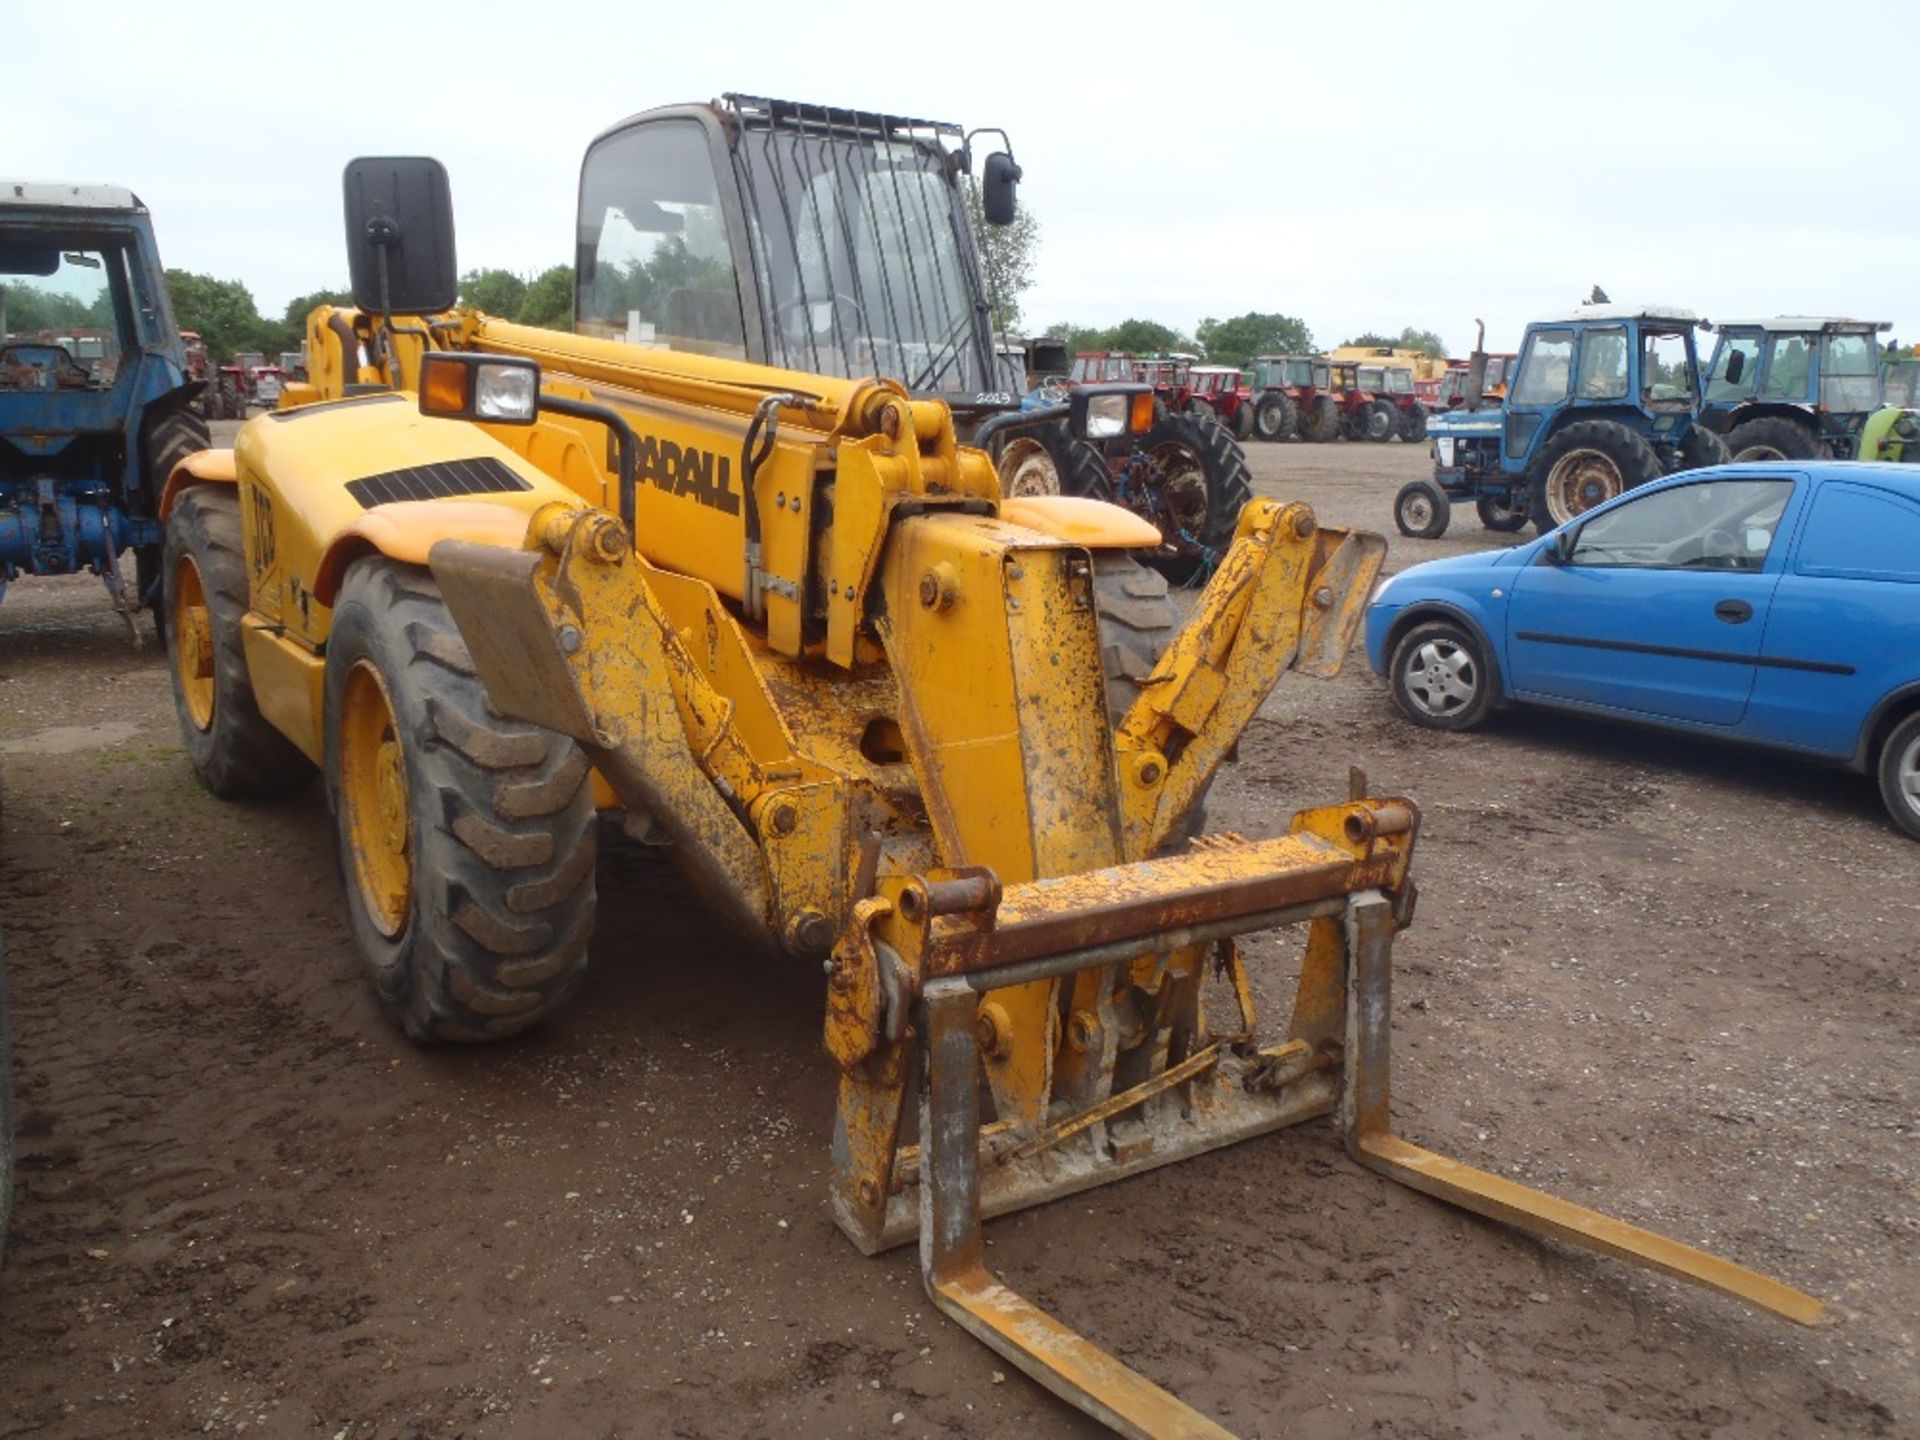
1360, 166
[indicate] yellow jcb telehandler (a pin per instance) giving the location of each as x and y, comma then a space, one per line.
489, 580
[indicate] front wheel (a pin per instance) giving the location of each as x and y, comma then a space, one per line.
1900, 775
1440, 676
1503, 515
1421, 510
467, 841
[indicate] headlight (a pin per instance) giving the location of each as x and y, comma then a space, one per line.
1381, 586
1106, 416
1907, 428
1443, 449
505, 393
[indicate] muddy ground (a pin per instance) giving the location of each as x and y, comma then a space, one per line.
1653, 975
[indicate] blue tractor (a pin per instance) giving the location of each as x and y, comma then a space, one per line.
1600, 401
95, 403
1796, 387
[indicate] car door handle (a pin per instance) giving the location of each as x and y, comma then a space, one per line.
1734, 612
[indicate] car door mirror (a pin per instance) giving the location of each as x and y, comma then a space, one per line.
1736, 366
1560, 548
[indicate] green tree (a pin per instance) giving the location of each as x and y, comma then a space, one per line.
222, 311
493, 292
549, 300
1237, 341
292, 328
1007, 254
1140, 337
1425, 341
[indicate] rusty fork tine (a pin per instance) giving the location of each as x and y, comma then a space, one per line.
1054, 1354
1371, 1141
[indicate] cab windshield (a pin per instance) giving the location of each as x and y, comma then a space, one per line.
60, 316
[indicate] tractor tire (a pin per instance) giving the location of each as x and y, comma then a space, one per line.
170, 438
1242, 426
1026, 469
1413, 423
1421, 510
1584, 464
1049, 461
232, 407
1499, 516
1898, 771
1201, 483
1441, 678
1378, 423
1137, 624
1773, 437
466, 842
1274, 417
1702, 448
203, 570
1320, 421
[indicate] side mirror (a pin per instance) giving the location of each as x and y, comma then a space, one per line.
997, 188
400, 235
1736, 366
1561, 551
493, 389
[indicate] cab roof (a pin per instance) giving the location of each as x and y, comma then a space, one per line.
1656, 314
1801, 324
56, 196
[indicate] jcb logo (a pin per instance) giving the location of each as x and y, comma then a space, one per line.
260, 504
685, 470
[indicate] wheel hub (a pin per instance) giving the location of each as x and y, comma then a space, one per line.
193, 644
375, 823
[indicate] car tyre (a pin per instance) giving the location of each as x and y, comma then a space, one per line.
1441, 677
1900, 774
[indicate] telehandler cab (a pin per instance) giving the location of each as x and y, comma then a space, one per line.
945, 744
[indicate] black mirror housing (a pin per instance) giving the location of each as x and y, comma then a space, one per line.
1736, 366
400, 257
998, 188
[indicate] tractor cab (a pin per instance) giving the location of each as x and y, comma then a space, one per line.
1100, 367
1794, 387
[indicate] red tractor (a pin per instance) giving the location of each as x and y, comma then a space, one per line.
1395, 385
1365, 414
1094, 367
1218, 393
1457, 382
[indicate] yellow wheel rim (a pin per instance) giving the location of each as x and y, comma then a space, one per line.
373, 800
193, 643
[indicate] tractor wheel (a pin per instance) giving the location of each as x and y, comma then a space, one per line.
467, 842
1441, 678
1413, 423
203, 572
1586, 463
1378, 422
1243, 422
231, 406
1027, 469
1773, 437
1501, 516
1702, 448
1421, 510
1274, 417
1899, 773
1191, 480
1320, 421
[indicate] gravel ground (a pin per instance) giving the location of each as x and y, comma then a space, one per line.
1654, 975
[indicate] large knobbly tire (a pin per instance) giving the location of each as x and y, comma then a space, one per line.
203, 571
1702, 448
1774, 437
1584, 464
1377, 422
232, 407
1190, 556
1413, 423
171, 437
1049, 461
1320, 421
466, 841
1243, 423
1274, 417
1137, 623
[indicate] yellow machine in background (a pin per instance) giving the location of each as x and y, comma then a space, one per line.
949, 746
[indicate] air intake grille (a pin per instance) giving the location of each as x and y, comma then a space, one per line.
484, 476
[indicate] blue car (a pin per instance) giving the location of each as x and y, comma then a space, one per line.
1774, 604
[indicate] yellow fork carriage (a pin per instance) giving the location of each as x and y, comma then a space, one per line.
952, 746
